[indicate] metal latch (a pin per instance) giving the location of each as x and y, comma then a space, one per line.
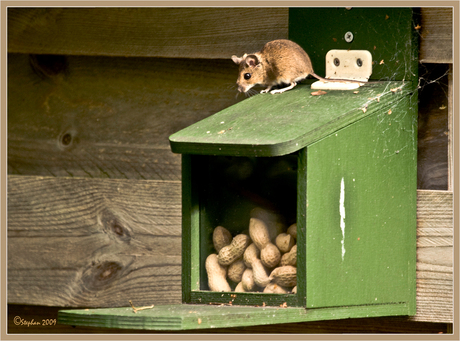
346, 64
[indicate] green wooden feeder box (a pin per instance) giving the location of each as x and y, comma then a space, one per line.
342, 166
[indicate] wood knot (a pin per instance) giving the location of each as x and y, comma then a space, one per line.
117, 229
102, 274
107, 270
113, 227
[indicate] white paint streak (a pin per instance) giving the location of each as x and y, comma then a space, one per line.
342, 215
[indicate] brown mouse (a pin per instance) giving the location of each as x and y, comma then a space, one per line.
279, 62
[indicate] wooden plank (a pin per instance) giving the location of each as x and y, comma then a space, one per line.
93, 160
108, 117
433, 129
355, 326
305, 119
434, 210
90, 242
370, 242
77, 117
202, 316
450, 131
179, 32
147, 32
105, 241
436, 35
434, 256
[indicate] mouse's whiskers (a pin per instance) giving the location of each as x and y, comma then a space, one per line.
251, 92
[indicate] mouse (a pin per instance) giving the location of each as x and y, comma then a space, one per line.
280, 61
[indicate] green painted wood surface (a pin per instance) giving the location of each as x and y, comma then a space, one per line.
273, 125
225, 189
387, 33
369, 257
301, 221
245, 298
194, 316
189, 217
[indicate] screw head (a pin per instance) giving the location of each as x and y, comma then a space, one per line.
348, 37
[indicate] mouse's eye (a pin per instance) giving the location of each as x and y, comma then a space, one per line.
247, 76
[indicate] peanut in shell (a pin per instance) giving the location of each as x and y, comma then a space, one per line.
285, 276
290, 258
231, 252
270, 256
216, 274
284, 242
235, 270
221, 237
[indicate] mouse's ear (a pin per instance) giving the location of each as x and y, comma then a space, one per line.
252, 60
236, 59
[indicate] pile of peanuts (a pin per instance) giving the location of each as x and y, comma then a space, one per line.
263, 260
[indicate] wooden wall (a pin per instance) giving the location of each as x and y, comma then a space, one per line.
94, 196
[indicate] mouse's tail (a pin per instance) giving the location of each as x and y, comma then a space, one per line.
335, 80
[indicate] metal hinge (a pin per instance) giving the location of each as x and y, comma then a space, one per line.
353, 65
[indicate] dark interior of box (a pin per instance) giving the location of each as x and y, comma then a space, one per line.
230, 187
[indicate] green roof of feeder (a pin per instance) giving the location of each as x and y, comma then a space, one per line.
274, 125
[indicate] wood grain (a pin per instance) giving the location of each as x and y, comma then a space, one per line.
92, 242
100, 242
108, 117
105, 117
450, 131
434, 256
145, 32
179, 32
434, 210
436, 35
